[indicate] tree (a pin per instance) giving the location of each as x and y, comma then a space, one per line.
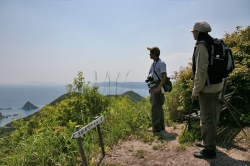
179, 100
239, 79
239, 42
86, 99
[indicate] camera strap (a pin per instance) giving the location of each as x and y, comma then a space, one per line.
157, 75
154, 68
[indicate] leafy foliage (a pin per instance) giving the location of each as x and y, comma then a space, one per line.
192, 134
46, 138
179, 101
239, 42
239, 80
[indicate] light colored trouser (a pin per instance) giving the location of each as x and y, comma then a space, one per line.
208, 107
157, 100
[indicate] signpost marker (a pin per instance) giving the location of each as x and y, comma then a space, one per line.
79, 132
79, 140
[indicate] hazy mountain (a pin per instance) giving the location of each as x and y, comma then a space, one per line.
131, 85
40, 83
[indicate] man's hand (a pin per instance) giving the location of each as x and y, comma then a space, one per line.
164, 78
157, 90
195, 96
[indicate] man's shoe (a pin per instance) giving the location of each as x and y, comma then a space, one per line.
205, 154
199, 154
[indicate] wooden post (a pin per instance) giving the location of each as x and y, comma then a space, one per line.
79, 140
79, 132
100, 138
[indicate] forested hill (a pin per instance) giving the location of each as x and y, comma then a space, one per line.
8, 128
131, 94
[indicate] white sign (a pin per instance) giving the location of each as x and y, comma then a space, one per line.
90, 126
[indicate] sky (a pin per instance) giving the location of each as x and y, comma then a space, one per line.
52, 40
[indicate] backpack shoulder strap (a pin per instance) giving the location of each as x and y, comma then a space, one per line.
210, 50
206, 44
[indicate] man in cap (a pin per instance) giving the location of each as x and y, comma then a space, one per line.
207, 93
156, 79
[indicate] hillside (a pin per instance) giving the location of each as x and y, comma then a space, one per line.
59, 99
7, 129
131, 94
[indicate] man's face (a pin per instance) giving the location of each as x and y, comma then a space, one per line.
152, 55
195, 34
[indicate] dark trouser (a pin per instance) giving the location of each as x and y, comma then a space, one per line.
208, 107
157, 100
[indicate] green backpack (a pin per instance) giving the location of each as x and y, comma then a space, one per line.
167, 85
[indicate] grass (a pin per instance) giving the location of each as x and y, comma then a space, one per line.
147, 137
46, 138
171, 123
139, 153
124, 81
192, 134
181, 147
157, 147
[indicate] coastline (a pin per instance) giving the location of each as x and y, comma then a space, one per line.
15, 96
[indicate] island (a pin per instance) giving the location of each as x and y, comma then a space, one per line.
29, 106
1, 116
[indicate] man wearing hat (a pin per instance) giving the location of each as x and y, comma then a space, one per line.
156, 79
207, 93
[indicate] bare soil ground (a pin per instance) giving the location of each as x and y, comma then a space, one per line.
232, 150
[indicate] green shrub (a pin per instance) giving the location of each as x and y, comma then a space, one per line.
178, 101
46, 138
239, 80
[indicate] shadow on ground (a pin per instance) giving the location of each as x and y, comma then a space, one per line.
164, 135
230, 137
224, 158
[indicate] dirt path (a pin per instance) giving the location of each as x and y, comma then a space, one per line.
168, 152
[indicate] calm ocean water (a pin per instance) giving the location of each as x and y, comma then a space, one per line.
15, 96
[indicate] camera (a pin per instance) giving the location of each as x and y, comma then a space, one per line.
150, 78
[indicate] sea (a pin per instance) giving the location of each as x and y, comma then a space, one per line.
13, 97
